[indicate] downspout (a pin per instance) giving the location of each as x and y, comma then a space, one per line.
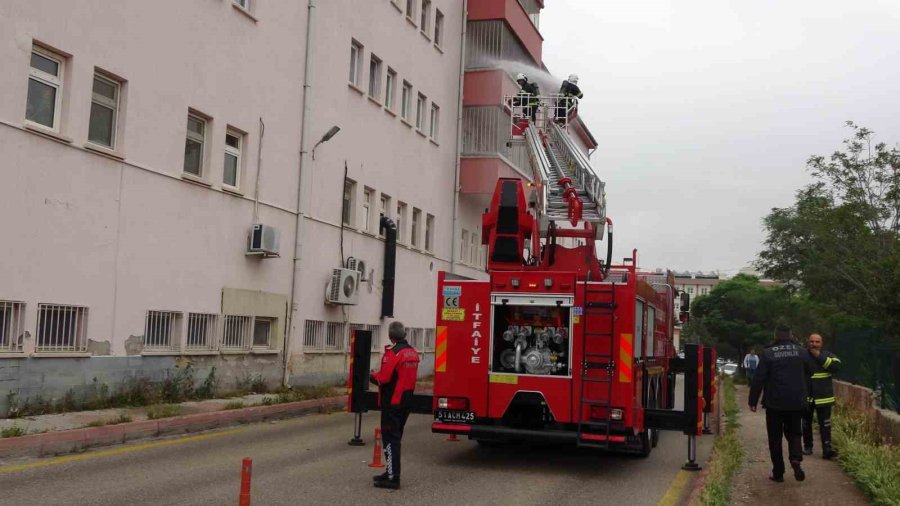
459, 125
298, 231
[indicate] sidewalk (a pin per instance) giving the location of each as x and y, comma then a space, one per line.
826, 483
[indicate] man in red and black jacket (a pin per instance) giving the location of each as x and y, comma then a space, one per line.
396, 382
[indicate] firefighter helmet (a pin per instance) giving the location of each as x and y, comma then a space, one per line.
573, 78
521, 77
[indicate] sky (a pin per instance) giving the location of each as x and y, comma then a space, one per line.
706, 111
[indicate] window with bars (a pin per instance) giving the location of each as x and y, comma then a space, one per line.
429, 339
376, 333
12, 325
334, 336
313, 335
236, 332
201, 331
162, 330
61, 328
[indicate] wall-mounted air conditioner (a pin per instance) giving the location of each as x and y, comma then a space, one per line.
263, 241
355, 264
343, 288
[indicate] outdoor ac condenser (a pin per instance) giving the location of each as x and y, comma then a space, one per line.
263, 241
343, 288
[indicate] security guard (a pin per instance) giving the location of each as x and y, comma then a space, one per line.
528, 96
821, 396
782, 374
396, 382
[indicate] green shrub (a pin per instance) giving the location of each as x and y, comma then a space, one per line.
234, 405
14, 431
163, 411
728, 454
874, 467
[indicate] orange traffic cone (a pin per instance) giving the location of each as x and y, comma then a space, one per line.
246, 470
376, 450
452, 438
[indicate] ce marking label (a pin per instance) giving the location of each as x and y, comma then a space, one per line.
451, 301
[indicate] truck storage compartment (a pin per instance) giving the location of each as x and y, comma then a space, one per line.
531, 335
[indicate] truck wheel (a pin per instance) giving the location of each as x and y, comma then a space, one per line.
654, 439
646, 445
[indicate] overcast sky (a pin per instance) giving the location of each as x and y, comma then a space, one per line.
707, 110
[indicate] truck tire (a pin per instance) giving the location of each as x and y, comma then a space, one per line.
646, 445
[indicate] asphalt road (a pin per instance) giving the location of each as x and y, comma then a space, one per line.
307, 461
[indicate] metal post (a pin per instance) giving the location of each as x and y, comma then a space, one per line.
691, 464
706, 429
357, 432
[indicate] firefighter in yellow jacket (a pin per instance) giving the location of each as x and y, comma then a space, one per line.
821, 396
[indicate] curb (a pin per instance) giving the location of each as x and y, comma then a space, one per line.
75, 440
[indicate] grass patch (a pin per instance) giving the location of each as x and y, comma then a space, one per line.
875, 467
234, 405
96, 423
163, 411
728, 454
14, 431
302, 393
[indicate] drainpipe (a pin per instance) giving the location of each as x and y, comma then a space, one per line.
459, 124
304, 152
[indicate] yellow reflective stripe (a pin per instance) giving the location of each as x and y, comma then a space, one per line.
827, 363
827, 400
821, 375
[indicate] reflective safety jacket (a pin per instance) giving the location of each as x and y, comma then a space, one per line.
821, 391
397, 377
570, 89
782, 376
528, 95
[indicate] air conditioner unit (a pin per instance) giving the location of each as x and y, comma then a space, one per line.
343, 287
263, 240
355, 264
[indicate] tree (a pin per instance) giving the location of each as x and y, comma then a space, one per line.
839, 244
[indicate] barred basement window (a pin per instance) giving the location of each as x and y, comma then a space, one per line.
334, 336
12, 325
313, 335
61, 328
376, 333
262, 332
162, 330
201, 331
429, 339
236, 334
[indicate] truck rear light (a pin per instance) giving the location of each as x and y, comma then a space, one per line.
457, 403
615, 414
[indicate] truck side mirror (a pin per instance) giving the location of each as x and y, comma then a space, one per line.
685, 302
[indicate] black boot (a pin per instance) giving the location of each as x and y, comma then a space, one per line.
828, 453
390, 483
799, 475
381, 477
807, 450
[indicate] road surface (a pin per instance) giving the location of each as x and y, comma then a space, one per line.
307, 461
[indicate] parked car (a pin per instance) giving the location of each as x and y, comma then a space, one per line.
729, 369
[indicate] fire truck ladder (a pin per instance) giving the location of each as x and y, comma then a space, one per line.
600, 302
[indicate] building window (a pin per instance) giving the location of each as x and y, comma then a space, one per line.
435, 120
383, 210
334, 336
104, 111
45, 87
236, 334
61, 328
429, 233
704, 290
233, 145
356, 53
374, 77
374, 329
414, 234
162, 330
464, 247
262, 332
405, 100
473, 250
201, 331
690, 290
426, 15
243, 4
429, 339
438, 27
401, 219
389, 88
349, 199
313, 333
12, 325
411, 10
193, 145
420, 111
367, 209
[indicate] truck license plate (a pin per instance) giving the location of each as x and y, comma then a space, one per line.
448, 416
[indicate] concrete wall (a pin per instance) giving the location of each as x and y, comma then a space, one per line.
862, 399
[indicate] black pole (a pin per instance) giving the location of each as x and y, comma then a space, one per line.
390, 266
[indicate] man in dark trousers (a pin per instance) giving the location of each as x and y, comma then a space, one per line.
396, 382
528, 96
781, 376
821, 396
569, 93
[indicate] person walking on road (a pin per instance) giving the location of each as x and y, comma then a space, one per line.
821, 396
781, 377
751, 360
396, 382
